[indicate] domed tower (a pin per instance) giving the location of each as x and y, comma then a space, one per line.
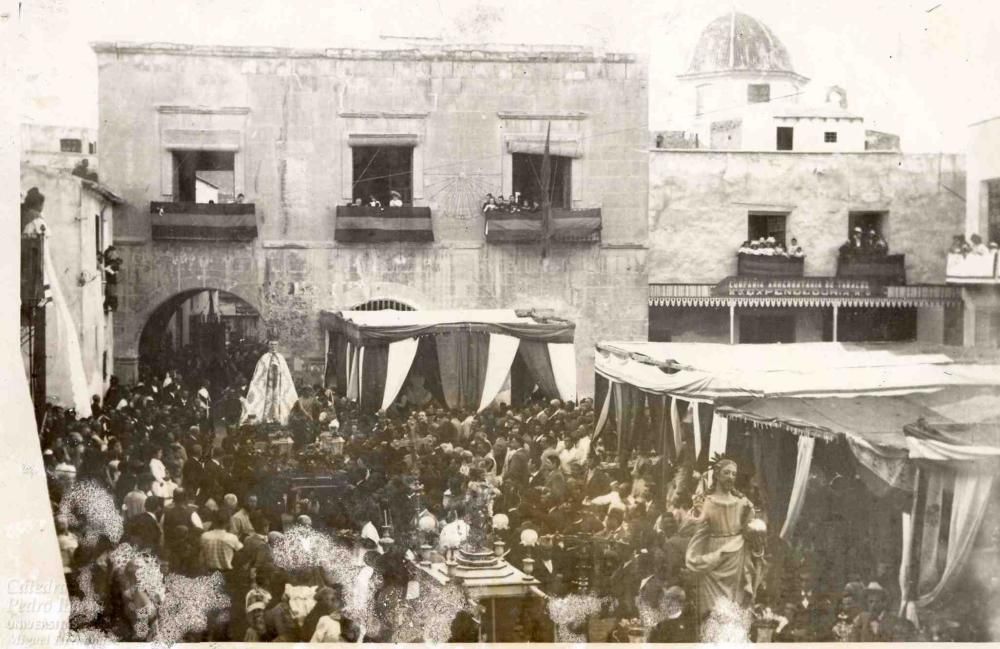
738, 68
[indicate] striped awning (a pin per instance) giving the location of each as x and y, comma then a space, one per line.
706, 295
203, 221
583, 225
375, 224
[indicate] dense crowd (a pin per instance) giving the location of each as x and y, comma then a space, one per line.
770, 247
204, 495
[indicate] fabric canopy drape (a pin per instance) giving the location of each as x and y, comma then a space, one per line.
462, 358
971, 497
342, 361
719, 437
602, 418
562, 359
373, 376
352, 371
536, 357
930, 538
774, 457
398, 363
800, 484
619, 414
675, 426
502, 350
66, 378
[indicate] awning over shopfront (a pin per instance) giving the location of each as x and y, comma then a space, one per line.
712, 371
474, 350
804, 292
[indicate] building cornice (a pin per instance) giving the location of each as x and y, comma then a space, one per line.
471, 53
745, 72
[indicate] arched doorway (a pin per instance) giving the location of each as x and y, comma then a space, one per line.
206, 335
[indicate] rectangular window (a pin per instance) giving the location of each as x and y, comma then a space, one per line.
381, 170
785, 138
204, 176
830, 136
767, 224
70, 145
701, 98
763, 329
993, 209
758, 93
527, 178
867, 221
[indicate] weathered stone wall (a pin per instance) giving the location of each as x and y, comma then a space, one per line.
293, 113
699, 202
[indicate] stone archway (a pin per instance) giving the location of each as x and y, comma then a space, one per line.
204, 325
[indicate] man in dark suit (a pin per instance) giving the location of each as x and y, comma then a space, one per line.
144, 531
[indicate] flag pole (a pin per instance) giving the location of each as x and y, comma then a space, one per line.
546, 194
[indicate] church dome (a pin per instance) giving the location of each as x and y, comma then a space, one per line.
737, 42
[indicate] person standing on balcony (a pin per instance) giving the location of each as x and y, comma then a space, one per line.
794, 249
395, 199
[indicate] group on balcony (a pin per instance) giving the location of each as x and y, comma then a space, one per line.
973, 246
516, 203
770, 247
395, 200
863, 244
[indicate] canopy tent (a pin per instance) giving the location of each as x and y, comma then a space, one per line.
858, 396
956, 469
711, 371
474, 350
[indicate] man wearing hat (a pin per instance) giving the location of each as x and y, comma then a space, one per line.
877, 623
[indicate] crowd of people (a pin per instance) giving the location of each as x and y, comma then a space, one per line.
203, 495
770, 247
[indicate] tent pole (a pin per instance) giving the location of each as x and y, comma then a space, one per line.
732, 323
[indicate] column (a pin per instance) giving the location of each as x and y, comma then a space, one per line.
732, 323
836, 314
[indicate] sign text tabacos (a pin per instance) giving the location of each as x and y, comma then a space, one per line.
796, 288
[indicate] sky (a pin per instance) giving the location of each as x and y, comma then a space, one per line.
924, 69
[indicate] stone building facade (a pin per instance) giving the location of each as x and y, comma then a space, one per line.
704, 204
290, 125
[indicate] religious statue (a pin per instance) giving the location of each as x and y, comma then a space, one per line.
724, 554
271, 394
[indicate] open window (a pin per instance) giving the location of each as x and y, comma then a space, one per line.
381, 170
767, 224
70, 145
867, 221
204, 176
527, 178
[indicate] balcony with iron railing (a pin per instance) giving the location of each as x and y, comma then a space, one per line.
203, 221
